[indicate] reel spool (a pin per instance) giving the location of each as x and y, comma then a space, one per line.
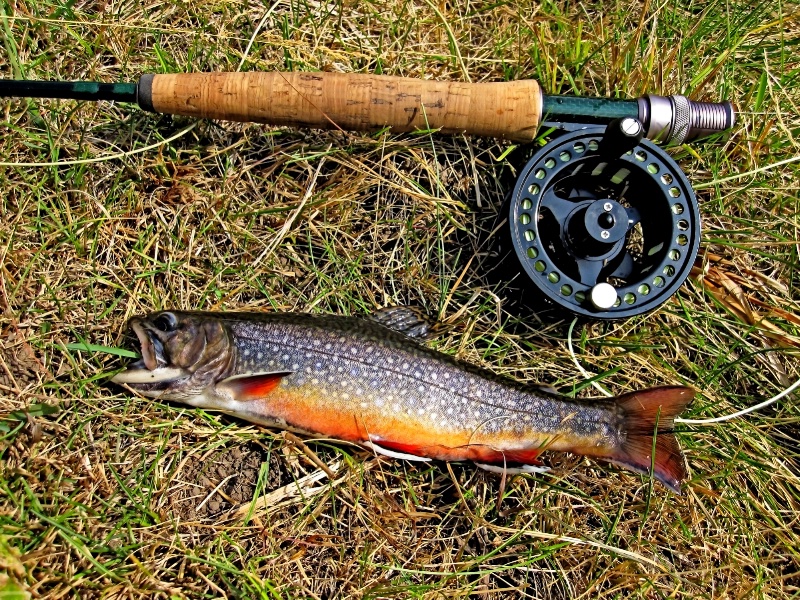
604, 223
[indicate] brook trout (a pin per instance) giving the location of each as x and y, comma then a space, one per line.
369, 381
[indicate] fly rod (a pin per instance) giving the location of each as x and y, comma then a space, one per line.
602, 221
511, 110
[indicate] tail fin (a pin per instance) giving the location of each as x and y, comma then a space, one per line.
650, 412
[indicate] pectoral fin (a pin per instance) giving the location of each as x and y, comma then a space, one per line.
252, 386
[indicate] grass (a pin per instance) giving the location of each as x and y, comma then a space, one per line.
97, 498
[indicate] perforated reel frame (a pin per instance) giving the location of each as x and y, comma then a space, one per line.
570, 177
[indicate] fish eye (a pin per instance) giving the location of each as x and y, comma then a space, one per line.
166, 322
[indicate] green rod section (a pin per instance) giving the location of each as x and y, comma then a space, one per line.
68, 90
579, 109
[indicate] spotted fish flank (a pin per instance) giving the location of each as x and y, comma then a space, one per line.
358, 380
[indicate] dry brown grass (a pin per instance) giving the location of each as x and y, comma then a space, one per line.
118, 497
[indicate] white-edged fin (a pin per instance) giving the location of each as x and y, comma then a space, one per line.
157, 375
512, 470
251, 386
392, 454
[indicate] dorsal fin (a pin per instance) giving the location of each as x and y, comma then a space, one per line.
407, 320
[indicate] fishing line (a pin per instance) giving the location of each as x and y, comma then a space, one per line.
780, 163
585, 373
745, 411
258, 28
740, 413
86, 161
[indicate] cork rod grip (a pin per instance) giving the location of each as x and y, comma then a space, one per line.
350, 101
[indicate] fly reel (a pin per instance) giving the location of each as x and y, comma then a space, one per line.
604, 223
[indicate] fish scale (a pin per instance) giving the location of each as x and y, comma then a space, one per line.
356, 379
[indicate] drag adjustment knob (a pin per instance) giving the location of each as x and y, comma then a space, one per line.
606, 221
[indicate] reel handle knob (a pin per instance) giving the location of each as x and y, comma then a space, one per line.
621, 136
603, 296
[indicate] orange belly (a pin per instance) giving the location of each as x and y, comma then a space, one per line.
314, 411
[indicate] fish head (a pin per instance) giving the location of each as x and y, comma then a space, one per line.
182, 354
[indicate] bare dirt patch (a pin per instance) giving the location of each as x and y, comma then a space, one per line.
208, 486
19, 366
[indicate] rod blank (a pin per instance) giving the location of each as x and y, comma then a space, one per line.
68, 90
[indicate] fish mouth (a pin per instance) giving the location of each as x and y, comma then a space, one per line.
153, 367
